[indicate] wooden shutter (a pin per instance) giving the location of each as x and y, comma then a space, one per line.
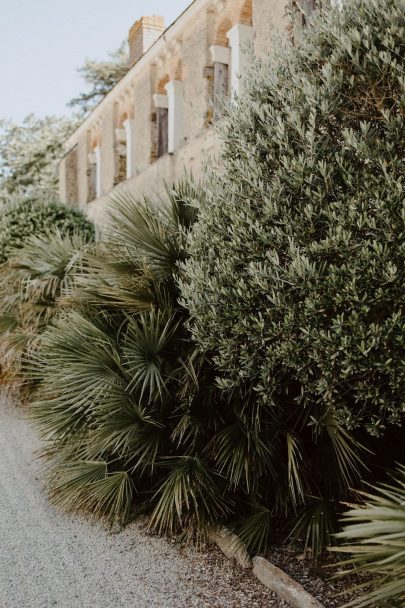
220, 88
162, 131
308, 6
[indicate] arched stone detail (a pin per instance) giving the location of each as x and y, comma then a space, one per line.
220, 38
246, 13
122, 118
161, 85
95, 142
177, 70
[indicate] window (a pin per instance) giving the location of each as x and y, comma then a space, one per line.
175, 137
169, 118
162, 124
120, 156
94, 174
220, 56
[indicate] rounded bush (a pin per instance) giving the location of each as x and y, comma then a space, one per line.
24, 217
295, 281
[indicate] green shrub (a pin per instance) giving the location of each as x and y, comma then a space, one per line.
23, 217
295, 281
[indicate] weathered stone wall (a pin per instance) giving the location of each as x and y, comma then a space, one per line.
269, 20
167, 169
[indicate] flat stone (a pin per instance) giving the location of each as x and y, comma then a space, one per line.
287, 588
231, 546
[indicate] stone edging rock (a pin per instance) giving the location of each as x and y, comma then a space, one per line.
270, 575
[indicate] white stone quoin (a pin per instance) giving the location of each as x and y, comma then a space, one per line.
240, 38
174, 90
129, 138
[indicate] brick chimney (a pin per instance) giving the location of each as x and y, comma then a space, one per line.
142, 35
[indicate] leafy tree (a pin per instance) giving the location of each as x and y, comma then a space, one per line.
30, 152
296, 271
101, 77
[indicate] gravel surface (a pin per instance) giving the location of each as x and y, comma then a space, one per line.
48, 558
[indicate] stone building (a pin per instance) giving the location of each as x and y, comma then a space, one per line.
159, 120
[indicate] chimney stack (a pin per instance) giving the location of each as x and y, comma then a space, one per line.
142, 35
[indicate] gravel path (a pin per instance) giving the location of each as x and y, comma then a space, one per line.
50, 559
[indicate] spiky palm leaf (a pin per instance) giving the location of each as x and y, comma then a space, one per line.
88, 485
254, 530
146, 339
316, 524
242, 455
190, 496
374, 533
142, 231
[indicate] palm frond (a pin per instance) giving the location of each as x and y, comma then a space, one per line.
67, 483
255, 529
294, 457
374, 532
88, 485
118, 281
145, 340
141, 227
151, 441
184, 198
346, 449
188, 496
316, 524
78, 366
241, 454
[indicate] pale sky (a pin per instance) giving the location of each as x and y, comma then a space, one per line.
43, 42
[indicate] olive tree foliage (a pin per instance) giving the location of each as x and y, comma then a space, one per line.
30, 152
295, 281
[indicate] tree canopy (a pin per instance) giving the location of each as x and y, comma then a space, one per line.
30, 152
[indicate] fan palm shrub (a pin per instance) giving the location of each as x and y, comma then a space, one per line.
374, 536
295, 277
31, 283
125, 402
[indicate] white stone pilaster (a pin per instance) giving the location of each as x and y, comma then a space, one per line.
129, 138
240, 37
174, 90
97, 158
